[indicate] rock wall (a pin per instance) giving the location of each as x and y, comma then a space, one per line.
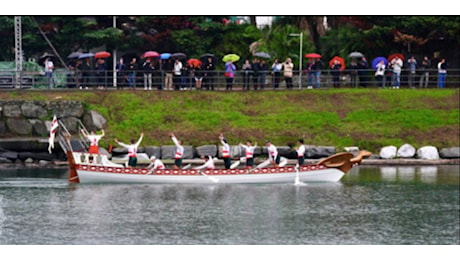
21, 118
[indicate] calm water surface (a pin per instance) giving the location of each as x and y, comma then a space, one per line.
371, 205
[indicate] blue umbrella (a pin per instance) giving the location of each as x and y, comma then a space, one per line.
165, 56
377, 60
85, 55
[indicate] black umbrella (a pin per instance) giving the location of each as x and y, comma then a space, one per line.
205, 57
178, 55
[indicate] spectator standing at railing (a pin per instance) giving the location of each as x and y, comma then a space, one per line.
335, 71
353, 69
424, 72
363, 66
177, 74
263, 70
380, 73
246, 74
85, 73
255, 67
288, 68
121, 74
229, 74
276, 70
168, 68
148, 69
132, 70
442, 73
100, 73
209, 74
318, 66
412, 63
49, 68
310, 71
396, 64
198, 76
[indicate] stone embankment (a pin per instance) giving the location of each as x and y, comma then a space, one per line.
25, 125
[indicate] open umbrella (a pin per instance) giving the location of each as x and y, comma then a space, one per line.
165, 56
101, 55
44, 56
313, 55
205, 57
231, 57
262, 54
74, 55
340, 60
394, 55
356, 54
194, 62
150, 54
377, 61
85, 55
178, 55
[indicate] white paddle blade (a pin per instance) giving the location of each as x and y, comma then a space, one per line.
187, 166
234, 165
263, 164
283, 162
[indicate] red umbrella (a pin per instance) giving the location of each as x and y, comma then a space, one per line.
150, 54
340, 60
313, 55
394, 55
194, 62
101, 55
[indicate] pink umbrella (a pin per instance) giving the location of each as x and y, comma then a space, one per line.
313, 55
150, 54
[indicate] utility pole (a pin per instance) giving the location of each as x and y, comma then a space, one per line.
18, 51
114, 65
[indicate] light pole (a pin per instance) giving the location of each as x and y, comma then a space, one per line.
300, 35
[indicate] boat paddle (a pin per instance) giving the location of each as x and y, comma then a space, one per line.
213, 179
297, 181
187, 166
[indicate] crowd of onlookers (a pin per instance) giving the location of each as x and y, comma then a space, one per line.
177, 74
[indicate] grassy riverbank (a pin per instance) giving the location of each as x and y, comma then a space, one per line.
367, 118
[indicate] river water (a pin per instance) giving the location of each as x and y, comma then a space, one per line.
369, 206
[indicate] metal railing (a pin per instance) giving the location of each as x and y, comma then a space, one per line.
160, 80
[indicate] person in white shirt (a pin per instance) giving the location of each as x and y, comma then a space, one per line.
179, 152
49, 67
380, 73
93, 138
273, 154
397, 64
225, 151
132, 150
155, 164
249, 153
177, 74
208, 165
300, 152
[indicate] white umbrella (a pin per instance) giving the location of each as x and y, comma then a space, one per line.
355, 54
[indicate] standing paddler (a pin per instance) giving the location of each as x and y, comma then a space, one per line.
225, 151
273, 154
179, 152
300, 152
132, 150
249, 153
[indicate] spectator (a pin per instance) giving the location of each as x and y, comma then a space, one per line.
246, 74
177, 74
396, 64
425, 72
310, 71
363, 66
318, 66
412, 62
442, 73
121, 74
380, 73
209, 74
198, 76
148, 69
288, 68
49, 68
263, 69
86, 73
229, 74
255, 73
276, 70
132, 70
168, 68
335, 71
353, 70
101, 73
